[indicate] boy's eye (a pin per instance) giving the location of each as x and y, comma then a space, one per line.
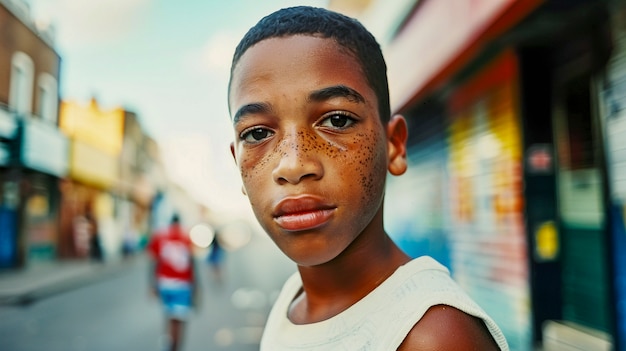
256, 135
337, 120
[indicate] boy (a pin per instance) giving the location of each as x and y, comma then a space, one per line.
309, 102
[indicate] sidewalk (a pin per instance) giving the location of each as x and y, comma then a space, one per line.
27, 285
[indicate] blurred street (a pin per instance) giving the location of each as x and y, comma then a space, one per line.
117, 312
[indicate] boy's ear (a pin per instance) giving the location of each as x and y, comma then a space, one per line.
397, 135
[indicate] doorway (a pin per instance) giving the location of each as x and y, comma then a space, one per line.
581, 202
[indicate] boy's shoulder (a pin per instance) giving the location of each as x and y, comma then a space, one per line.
470, 332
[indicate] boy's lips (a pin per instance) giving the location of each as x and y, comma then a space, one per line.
302, 213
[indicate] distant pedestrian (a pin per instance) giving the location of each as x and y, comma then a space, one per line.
95, 247
215, 258
173, 277
81, 236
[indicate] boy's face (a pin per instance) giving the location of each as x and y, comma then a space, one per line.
311, 148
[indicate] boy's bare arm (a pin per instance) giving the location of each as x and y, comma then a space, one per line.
446, 328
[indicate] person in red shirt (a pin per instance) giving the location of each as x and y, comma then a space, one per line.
172, 277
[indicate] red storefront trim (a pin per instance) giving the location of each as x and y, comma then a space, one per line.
420, 62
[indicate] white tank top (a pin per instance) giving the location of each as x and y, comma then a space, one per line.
381, 320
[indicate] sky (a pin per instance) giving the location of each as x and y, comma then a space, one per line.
168, 61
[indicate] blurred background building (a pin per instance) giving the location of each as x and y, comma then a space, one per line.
33, 156
517, 157
64, 163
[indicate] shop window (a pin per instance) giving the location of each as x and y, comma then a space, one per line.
22, 72
47, 97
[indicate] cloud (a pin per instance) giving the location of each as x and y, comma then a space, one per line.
93, 22
214, 56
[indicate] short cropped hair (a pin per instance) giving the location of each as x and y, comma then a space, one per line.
347, 32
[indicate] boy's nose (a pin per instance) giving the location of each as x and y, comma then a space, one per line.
298, 161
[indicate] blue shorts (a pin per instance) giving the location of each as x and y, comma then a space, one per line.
176, 300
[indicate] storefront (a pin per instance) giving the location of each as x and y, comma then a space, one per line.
36, 158
44, 155
572, 283
507, 175
91, 199
9, 190
87, 196
611, 94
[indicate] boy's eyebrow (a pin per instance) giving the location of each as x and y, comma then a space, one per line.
336, 91
255, 107
323, 94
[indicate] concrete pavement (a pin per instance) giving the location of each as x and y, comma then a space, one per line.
40, 280
43, 279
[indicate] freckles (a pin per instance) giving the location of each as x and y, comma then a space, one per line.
370, 166
243, 168
328, 149
331, 150
251, 167
279, 149
310, 142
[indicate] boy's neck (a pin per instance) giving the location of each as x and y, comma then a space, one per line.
332, 287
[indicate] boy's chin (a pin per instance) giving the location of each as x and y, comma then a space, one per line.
310, 259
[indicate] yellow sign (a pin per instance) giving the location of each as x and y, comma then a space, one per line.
546, 241
104, 129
